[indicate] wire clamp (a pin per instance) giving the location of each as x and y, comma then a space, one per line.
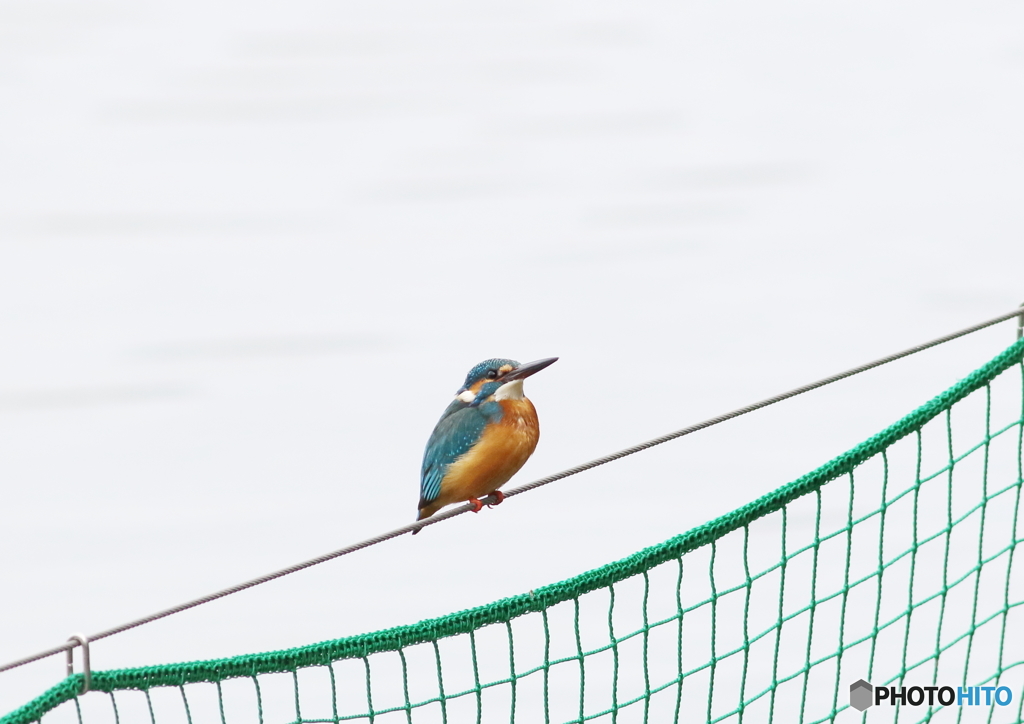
83, 641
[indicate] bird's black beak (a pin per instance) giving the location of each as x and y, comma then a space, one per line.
523, 371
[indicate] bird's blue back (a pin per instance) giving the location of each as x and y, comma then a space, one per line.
458, 430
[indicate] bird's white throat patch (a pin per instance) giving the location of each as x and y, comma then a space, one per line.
510, 391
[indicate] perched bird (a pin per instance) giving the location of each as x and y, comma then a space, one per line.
487, 433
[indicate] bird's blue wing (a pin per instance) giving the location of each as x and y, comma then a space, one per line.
457, 431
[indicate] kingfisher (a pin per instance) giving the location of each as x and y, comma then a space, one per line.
484, 437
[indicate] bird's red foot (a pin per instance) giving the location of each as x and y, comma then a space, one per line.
477, 505
498, 498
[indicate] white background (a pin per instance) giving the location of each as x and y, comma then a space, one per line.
248, 251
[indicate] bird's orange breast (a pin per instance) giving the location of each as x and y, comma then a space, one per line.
502, 450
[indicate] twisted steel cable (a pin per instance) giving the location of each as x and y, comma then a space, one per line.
411, 527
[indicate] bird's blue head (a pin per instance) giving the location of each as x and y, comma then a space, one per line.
492, 374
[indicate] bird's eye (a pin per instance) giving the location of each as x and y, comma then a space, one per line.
492, 374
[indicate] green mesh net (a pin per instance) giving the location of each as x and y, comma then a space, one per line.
894, 563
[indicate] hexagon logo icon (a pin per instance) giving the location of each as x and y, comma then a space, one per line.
861, 695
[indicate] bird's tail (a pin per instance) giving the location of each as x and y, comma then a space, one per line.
425, 512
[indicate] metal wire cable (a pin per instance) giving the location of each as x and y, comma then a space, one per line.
411, 527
